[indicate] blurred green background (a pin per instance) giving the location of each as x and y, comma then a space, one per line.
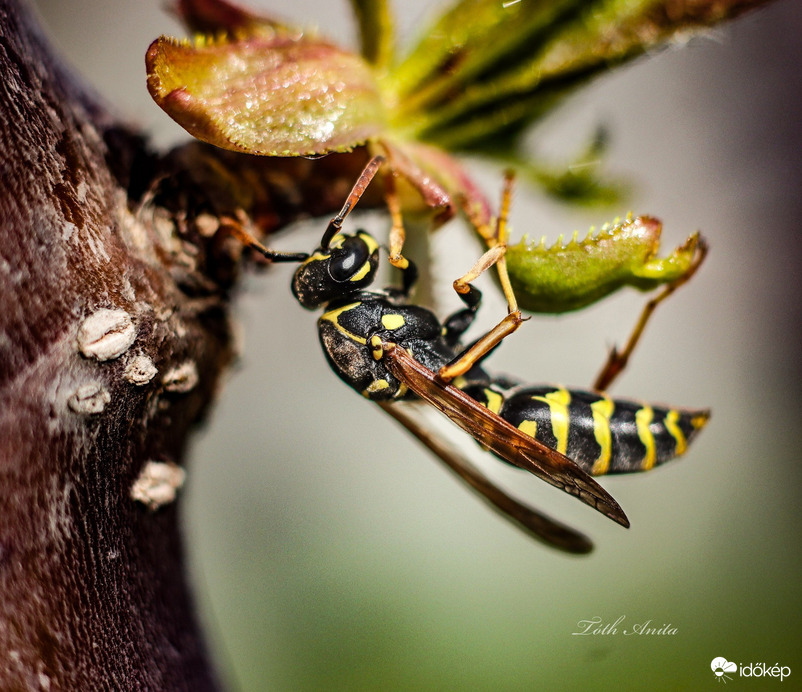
329, 552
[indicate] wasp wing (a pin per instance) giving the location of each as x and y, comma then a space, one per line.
537, 525
498, 435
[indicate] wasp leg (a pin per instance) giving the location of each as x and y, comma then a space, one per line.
481, 348
336, 224
538, 525
398, 235
494, 256
456, 324
617, 360
471, 296
236, 228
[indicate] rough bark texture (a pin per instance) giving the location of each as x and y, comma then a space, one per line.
113, 334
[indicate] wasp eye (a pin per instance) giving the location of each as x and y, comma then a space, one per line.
348, 259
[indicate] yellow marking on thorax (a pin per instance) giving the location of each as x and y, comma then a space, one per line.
333, 317
528, 427
643, 418
602, 412
675, 431
393, 321
558, 401
494, 400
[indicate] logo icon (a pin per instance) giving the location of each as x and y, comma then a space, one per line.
720, 667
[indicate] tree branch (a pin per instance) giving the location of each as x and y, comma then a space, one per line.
114, 330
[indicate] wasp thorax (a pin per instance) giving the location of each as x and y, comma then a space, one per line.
348, 264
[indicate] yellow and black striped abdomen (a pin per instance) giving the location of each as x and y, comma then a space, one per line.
602, 435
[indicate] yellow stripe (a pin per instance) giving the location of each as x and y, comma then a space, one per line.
336, 241
674, 430
643, 418
700, 420
558, 401
317, 257
372, 245
393, 321
333, 317
494, 400
370, 241
528, 427
602, 412
364, 269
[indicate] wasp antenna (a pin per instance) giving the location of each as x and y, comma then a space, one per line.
235, 227
361, 184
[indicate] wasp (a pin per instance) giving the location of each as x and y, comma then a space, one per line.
392, 351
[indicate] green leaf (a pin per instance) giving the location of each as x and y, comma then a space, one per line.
488, 69
376, 31
570, 276
472, 40
273, 93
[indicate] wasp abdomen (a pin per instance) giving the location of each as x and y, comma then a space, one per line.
600, 434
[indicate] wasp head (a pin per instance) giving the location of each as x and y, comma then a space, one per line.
348, 264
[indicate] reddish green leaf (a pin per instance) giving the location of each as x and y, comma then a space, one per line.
214, 16
267, 93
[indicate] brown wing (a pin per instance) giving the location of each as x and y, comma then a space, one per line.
499, 436
538, 525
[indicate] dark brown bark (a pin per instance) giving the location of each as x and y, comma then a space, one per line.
113, 333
